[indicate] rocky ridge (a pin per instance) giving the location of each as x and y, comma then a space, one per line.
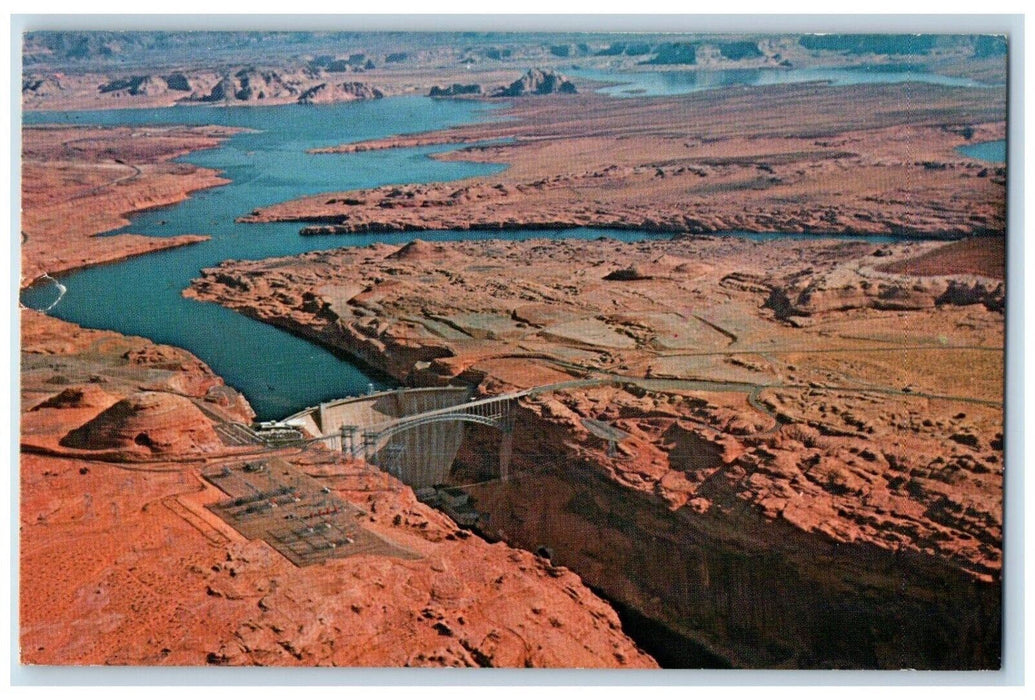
238, 86
535, 82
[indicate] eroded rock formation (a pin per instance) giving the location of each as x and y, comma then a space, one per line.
640, 164
325, 93
538, 82
78, 182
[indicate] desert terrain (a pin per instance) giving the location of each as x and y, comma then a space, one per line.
782, 158
78, 182
772, 452
123, 563
115, 70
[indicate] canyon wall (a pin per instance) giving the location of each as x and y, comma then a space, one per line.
754, 592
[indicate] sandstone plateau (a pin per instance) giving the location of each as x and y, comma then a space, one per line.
121, 561
246, 85
98, 70
79, 182
781, 158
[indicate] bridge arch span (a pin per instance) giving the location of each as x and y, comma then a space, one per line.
405, 425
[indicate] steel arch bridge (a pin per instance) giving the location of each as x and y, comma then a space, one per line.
374, 443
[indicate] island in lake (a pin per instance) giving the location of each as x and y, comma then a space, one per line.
512, 350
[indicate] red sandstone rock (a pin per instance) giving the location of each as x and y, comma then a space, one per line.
78, 182
158, 424
122, 564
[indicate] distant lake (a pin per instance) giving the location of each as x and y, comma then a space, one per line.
654, 83
992, 151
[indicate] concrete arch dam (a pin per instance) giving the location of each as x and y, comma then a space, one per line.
413, 434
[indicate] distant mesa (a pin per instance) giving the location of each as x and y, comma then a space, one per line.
249, 85
676, 53
456, 89
321, 61
497, 54
616, 49
538, 82
253, 85
129, 85
324, 93
740, 50
535, 82
333, 64
620, 48
136, 85
149, 423
888, 44
689, 53
37, 86
329, 64
178, 82
962, 293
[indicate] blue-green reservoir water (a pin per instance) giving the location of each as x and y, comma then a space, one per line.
680, 82
278, 372
992, 151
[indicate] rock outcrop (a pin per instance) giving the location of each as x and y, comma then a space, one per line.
117, 171
326, 93
779, 493
150, 422
252, 85
124, 564
82, 396
535, 82
804, 294
178, 82
632, 171
134, 85
627, 274
455, 90
37, 86
538, 82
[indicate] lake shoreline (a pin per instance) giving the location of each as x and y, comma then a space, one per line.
621, 166
125, 172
